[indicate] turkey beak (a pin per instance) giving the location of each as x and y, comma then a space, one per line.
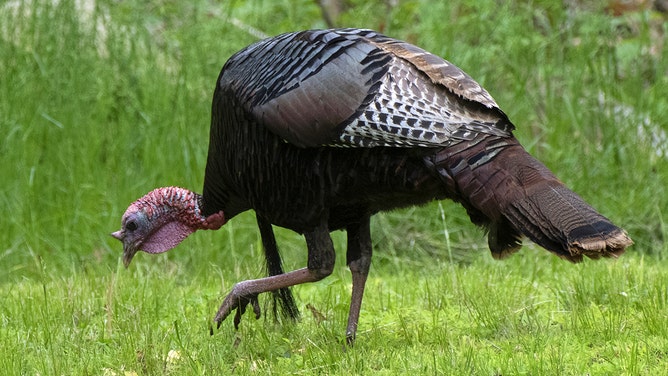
128, 253
129, 250
118, 235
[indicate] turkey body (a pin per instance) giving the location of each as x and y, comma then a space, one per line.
295, 188
341, 124
294, 172
318, 130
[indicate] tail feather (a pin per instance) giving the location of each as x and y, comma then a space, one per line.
557, 219
512, 194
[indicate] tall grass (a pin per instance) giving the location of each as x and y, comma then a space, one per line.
101, 102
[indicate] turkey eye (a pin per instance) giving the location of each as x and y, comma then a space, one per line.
131, 226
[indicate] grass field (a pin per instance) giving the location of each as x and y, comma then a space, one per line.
101, 102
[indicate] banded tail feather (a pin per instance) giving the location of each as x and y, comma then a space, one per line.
511, 194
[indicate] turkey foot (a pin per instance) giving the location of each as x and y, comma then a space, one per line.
238, 299
246, 292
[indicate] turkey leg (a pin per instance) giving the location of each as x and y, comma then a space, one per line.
358, 258
321, 257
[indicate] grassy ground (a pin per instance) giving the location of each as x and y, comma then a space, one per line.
101, 102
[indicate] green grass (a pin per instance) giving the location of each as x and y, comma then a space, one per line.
99, 106
531, 315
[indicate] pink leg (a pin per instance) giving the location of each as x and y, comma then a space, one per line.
359, 260
321, 258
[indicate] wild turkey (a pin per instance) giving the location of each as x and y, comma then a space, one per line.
319, 130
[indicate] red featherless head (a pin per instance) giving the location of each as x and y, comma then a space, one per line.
161, 219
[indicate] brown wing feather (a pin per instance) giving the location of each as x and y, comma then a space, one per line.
439, 70
309, 115
357, 88
301, 86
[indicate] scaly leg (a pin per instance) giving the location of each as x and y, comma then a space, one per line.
321, 259
359, 260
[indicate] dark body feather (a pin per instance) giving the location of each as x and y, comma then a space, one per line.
332, 126
275, 142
